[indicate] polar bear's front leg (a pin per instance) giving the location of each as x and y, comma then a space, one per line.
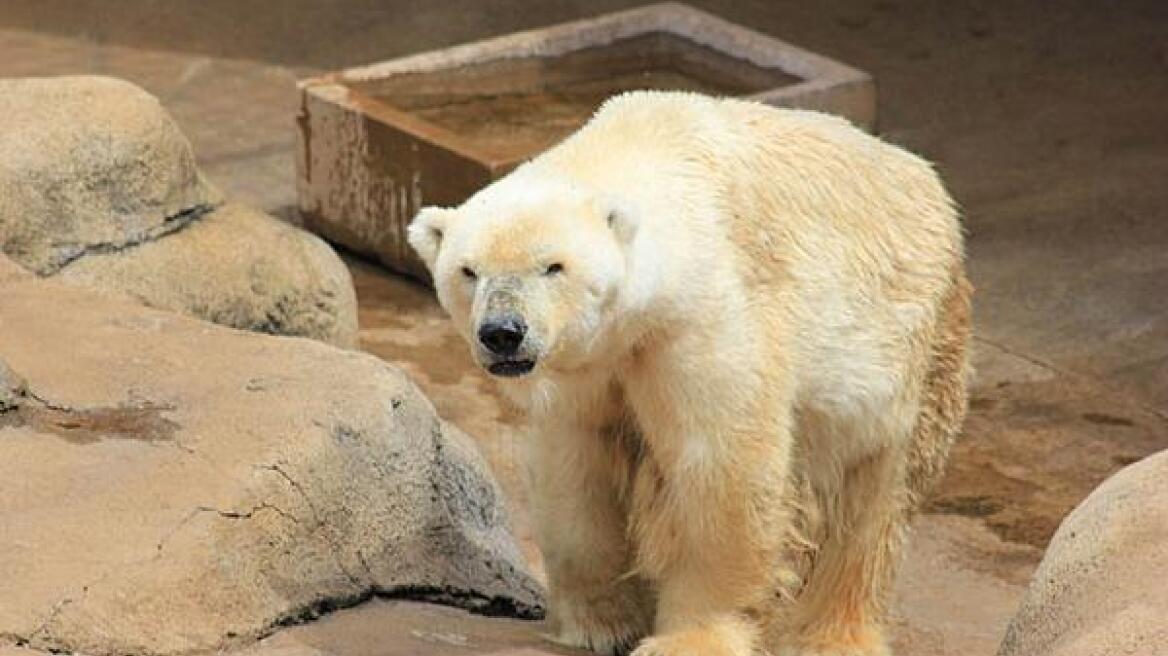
596, 602
709, 514
712, 548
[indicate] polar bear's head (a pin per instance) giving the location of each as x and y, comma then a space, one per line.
529, 269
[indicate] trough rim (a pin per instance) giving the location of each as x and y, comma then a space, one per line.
819, 74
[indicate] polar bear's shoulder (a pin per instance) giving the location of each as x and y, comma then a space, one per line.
688, 111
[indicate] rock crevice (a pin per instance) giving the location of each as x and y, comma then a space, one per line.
169, 226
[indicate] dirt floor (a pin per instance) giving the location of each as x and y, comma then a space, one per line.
1048, 120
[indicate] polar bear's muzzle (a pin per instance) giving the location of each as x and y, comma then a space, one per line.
502, 335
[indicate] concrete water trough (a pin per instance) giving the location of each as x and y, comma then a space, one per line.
379, 141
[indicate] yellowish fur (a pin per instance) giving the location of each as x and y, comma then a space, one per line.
750, 364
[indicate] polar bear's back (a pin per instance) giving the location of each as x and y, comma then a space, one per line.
790, 190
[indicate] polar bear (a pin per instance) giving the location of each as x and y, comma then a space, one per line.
739, 334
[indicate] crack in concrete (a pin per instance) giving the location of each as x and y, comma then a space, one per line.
170, 225
45, 640
252, 512
55, 645
365, 564
172, 532
335, 550
366, 588
296, 486
43, 627
44, 402
1159, 413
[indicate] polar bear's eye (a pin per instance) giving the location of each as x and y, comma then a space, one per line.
469, 273
553, 269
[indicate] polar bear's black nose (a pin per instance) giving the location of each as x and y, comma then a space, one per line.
503, 335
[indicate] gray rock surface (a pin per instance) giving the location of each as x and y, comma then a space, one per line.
91, 164
168, 486
99, 186
1100, 588
237, 267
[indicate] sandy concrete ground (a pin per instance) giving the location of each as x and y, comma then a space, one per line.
1047, 119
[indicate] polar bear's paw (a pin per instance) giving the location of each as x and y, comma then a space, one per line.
686, 644
730, 637
866, 641
606, 640
837, 650
610, 626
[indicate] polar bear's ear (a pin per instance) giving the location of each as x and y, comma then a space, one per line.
426, 231
622, 224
